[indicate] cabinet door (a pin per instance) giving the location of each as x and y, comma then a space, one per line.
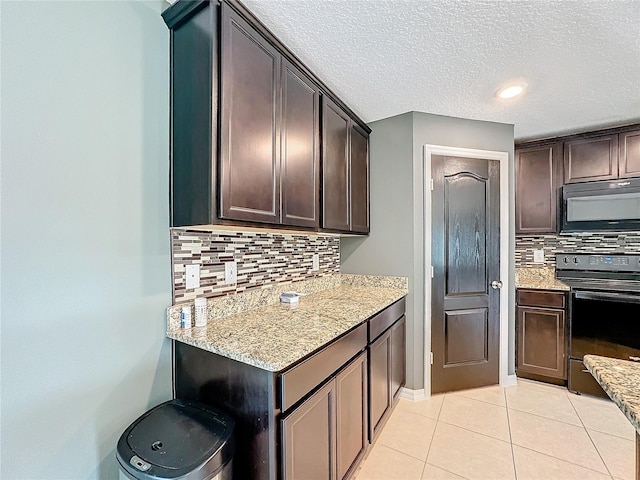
629, 154
300, 166
542, 342
308, 438
379, 382
335, 167
359, 172
591, 158
538, 179
249, 176
398, 356
351, 415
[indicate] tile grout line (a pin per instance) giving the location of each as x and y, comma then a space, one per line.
403, 453
564, 460
569, 394
513, 455
477, 399
444, 469
566, 394
433, 435
548, 418
588, 435
478, 433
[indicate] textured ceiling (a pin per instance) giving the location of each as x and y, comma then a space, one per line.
581, 59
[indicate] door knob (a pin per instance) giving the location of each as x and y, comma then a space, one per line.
496, 284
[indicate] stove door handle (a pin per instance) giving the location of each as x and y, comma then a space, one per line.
608, 297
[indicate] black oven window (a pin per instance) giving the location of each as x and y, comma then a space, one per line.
602, 327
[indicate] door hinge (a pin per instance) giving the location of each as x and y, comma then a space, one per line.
431, 184
431, 357
432, 272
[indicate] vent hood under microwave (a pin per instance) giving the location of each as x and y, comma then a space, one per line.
601, 206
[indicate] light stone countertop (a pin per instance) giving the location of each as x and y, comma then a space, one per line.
621, 380
273, 337
539, 278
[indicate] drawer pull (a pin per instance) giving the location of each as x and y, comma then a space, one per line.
585, 371
634, 359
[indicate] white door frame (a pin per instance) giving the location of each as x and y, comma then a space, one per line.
503, 158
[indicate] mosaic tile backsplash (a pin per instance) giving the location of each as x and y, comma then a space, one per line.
628, 242
264, 258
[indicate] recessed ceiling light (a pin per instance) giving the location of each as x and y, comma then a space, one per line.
511, 90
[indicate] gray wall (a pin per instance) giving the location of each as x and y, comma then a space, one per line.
377, 254
84, 231
388, 250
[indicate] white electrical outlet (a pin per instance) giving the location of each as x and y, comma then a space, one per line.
538, 256
230, 272
315, 262
193, 276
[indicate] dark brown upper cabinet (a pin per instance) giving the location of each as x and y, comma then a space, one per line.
629, 164
300, 149
604, 155
359, 179
269, 169
194, 112
543, 166
345, 171
591, 158
538, 180
249, 123
245, 128
335, 167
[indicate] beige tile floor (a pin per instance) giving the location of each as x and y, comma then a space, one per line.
530, 431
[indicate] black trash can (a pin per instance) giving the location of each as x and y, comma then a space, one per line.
178, 440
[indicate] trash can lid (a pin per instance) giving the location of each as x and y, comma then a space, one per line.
177, 439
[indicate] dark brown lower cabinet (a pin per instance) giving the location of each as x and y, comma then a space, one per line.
325, 436
386, 374
351, 416
541, 335
308, 437
398, 363
379, 385
310, 420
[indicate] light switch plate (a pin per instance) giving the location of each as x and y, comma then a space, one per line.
230, 272
538, 256
315, 262
193, 276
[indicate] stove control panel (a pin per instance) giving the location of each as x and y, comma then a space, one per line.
602, 263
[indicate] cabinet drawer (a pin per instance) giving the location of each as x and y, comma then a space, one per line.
383, 320
540, 298
304, 377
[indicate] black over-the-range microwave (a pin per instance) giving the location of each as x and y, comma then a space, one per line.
601, 206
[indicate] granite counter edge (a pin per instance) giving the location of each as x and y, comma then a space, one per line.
179, 335
613, 394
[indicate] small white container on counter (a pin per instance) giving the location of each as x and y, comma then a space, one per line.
185, 318
201, 311
290, 297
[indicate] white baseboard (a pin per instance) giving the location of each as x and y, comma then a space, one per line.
418, 395
413, 395
509, 381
